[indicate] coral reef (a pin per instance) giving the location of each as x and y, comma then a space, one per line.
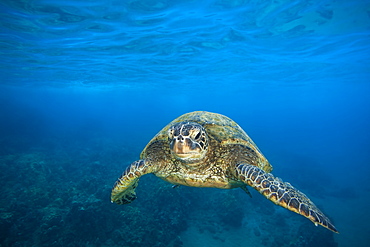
58, 195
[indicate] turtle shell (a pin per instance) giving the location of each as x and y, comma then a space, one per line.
218, 127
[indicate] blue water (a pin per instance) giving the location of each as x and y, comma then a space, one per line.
84, 85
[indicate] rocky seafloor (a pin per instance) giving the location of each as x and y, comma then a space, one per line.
58, 194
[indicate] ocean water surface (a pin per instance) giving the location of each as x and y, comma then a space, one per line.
85, 85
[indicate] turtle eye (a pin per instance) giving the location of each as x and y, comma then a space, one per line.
170, 133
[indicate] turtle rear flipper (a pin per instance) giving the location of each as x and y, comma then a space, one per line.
282, 194
123, 191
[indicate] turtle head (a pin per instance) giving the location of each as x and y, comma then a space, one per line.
188, 141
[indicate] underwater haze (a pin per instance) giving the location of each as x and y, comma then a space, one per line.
85, 85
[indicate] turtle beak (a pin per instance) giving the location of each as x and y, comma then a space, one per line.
184, 147
177, 146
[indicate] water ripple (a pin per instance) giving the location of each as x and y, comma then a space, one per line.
176, 41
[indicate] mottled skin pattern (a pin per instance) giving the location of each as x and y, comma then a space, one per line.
203, 149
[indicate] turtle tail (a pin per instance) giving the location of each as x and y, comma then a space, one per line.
123, 191
282, 194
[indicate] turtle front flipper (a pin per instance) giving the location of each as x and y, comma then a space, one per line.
123, 191
282, 194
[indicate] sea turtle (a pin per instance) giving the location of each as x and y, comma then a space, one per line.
204, 149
